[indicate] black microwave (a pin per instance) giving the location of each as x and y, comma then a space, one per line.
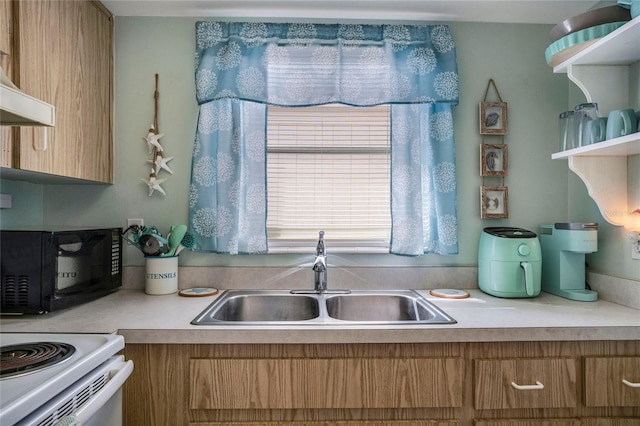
45, 271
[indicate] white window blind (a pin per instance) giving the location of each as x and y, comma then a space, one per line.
328, 169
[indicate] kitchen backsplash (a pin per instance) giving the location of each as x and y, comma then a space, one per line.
617, 290
297, 277
613, 289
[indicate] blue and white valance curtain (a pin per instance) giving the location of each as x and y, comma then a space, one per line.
242, 67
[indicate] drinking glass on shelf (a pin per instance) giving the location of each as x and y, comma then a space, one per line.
584, 113
567, 130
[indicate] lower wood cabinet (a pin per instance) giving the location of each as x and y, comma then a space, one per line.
525, 422
525, 383
436, 384
612, 381
343, 423
325, 383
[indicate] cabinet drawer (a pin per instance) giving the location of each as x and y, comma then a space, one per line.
342, 423
325, 383
613, 382
525, 383
631, 421
525, 422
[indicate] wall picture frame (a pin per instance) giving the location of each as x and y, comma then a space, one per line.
493, 118
494, 160
494, 202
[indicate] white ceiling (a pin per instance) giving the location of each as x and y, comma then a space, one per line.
516, 11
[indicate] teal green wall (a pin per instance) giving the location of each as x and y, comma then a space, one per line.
26, 210
511, 54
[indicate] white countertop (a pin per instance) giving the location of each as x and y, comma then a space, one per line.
142, 318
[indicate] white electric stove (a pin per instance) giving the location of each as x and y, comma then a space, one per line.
49, 379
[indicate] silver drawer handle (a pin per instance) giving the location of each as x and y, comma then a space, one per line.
538, 385
631, 384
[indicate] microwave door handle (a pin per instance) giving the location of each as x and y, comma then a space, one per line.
122, 370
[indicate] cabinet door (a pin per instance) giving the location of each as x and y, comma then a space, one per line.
5, 27
612, 382
6, 132
525, 422
525, 383
65, 59
325, 383
635, 421
343, 423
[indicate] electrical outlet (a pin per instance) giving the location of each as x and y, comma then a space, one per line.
131, 222
635, 250
5, 201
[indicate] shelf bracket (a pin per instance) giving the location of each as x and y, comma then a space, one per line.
601, 84
602, 177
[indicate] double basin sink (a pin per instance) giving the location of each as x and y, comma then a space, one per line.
358, 307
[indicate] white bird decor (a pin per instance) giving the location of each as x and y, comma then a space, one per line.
158, 161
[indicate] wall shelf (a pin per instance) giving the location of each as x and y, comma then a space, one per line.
603, 72
623, 146
620, 47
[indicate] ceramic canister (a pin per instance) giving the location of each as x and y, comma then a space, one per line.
161, 275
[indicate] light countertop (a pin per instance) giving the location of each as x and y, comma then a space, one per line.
142, 318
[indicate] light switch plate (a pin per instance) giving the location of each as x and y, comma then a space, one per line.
635, 250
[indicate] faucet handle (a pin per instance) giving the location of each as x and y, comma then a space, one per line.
320, 250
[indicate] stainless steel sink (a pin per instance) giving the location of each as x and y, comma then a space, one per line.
281, 307
256, 307
377, 307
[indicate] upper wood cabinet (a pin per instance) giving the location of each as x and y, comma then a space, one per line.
6, 143
63, 55
5, 27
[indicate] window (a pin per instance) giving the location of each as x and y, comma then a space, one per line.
328, 169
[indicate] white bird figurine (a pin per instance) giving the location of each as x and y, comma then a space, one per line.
152, 139
154, 184
161, 163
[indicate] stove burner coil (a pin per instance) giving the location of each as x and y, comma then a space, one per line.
27, 358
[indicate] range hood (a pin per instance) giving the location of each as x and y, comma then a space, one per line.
20, 109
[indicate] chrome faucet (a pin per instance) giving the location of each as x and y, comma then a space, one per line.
320, 266
320, 269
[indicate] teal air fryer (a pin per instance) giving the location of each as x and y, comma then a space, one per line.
509, 262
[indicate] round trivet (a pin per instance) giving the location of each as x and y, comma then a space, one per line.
449, 293
198, 292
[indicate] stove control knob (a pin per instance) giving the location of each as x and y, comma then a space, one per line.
524, 250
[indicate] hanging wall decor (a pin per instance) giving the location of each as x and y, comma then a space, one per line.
494, 155
158, 160
493, 118
494, 160
494, 202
